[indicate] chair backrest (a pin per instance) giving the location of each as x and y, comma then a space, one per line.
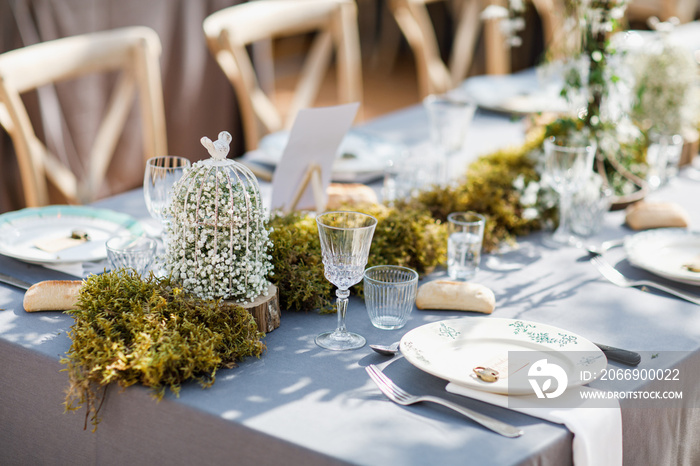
134, 52
434, 75
231, 30
684, 10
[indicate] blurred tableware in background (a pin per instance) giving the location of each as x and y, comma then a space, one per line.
390, 293
449, 117
361, 157
406, 175
663, 158
466, 233
568, 166
160, 176
23, 230
131, 252
589, 205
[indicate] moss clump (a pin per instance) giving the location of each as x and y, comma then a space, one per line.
407, 236
297, 262
404, 236
128, 330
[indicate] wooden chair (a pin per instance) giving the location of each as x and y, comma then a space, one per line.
641, 10
133, 51
434, 75
231, 30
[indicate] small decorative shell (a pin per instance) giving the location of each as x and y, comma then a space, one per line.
219, 148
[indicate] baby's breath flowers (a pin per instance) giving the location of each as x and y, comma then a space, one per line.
218, 239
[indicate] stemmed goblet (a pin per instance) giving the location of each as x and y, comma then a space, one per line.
345, 241
160, 176
568, 165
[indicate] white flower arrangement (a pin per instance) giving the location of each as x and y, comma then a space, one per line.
218, 239
665, 100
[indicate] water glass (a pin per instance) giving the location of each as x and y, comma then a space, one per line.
663, 157
449, 117
406, 176
390, 292
589, 205
466, 234
128, 251
568, 166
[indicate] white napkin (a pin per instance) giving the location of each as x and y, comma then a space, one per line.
597, 430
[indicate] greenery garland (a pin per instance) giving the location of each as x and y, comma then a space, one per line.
412, 233
129, 330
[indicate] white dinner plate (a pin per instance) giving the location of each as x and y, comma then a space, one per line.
22, 229
520, 93
664, 251
361, 157
451, 349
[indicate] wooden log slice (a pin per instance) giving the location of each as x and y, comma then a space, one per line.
265, 309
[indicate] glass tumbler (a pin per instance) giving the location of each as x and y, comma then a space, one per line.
135, 252
466, 234
589, 206
390, 293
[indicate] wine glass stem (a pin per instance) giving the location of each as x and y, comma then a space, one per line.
342, 305
564, 217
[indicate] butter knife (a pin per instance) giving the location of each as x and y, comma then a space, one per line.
620, 355
8, 280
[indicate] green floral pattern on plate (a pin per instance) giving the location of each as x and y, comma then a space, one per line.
533, 334
449, 332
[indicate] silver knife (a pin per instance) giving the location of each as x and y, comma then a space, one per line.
4, 278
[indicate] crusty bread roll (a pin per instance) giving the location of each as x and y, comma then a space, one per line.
340, 194
644, 215
52, 295
457, 296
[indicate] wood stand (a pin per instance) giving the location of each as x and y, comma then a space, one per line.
311, 177
265, 309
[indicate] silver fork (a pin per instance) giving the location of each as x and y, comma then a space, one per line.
614, 276
400, 396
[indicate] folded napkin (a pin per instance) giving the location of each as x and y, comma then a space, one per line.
597, 430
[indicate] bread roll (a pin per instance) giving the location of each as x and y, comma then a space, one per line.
644, 215
349, 194
457, 296
52, 295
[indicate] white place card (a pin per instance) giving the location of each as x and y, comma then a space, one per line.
313, 139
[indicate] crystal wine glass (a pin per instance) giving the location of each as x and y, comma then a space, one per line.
568, 165
345, 241
158, 180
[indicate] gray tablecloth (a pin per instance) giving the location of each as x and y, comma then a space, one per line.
300, 404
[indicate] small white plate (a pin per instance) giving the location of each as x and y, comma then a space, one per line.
451, 349
20, 230
361, 157
664, 251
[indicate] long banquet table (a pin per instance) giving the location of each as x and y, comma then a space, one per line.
300, 404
